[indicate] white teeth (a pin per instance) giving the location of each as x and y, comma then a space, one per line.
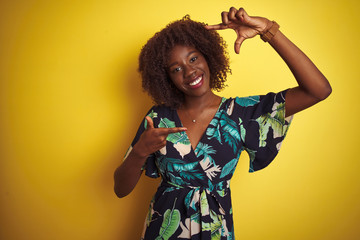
196, 81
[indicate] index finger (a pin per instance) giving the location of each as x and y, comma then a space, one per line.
167, 131
219, 26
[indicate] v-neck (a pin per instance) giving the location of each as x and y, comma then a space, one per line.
204, 133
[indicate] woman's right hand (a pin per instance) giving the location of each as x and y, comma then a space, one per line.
153, 139
244, 25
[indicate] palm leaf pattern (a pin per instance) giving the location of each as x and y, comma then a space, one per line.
213, 131
229, 168
179, 171
203, 149
193, 199
170, 223
247, 101
215, 226
179, 137
227, 130
230, 132
242, 130
153, 115
274, 120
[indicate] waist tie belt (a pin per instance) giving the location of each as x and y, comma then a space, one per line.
200, 217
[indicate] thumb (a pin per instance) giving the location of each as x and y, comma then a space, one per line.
239, 40
150, 122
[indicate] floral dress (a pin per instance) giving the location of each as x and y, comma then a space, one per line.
193, 199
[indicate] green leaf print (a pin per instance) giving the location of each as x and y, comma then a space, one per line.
166, 123
177, 180
204, 205
153, 115
213, 131
230, 132
178, 171
191, 175
195, 217
205, 150
179, 165
188, 199
221, 193
229, 168
242, 130
247, 101
252, 158
265, 122
149, 215
214, 227
184, 169
179, 137
280, 112
216, 236
170, 223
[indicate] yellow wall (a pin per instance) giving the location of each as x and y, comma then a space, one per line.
70, 100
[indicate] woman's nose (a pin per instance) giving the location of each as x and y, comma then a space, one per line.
189, 71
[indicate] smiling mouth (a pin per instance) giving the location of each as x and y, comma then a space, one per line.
196, 81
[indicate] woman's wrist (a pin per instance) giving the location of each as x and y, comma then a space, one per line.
270, 31
266, 26
138, 152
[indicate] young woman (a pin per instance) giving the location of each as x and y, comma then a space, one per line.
193, 138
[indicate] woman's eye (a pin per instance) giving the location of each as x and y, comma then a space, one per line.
177, 69
193, 59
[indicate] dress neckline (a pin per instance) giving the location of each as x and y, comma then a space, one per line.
223, 99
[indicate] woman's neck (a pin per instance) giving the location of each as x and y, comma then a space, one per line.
197, 103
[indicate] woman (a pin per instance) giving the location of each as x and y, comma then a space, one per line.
193, 138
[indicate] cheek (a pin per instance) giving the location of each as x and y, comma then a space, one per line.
175, 81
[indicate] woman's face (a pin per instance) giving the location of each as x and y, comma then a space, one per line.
189, 71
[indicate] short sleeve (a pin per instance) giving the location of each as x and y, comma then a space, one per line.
150, 167
264, 128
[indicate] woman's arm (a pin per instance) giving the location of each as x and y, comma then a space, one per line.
312, 85
151, 140
128, 173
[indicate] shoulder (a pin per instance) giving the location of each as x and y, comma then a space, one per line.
270, 97
160, 110
240, 103
161, 113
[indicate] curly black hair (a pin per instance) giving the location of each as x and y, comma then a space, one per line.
155, 53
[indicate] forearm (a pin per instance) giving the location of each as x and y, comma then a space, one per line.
128, 173
312, 88
305, 72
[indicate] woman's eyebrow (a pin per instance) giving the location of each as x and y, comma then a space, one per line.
174, 63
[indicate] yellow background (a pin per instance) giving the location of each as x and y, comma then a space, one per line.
71, 101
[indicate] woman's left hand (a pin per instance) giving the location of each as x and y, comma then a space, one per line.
244, 25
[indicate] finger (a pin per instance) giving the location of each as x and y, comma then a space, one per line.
241, 15
232, 13
150, 122
239, 40
160, 145
167, 131
219, 26
178, 129
224, 18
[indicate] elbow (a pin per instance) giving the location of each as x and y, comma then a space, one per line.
325, 93
120, 193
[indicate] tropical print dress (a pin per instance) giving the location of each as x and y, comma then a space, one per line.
193, 199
